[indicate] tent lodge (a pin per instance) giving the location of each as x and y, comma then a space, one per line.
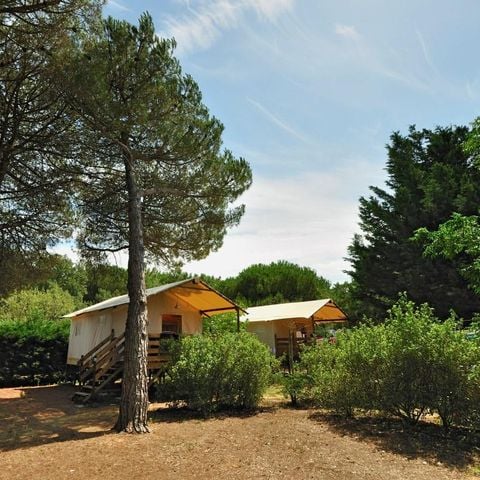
97, 332
288, 325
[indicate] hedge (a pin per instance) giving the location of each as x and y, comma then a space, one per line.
409, 366
32, 352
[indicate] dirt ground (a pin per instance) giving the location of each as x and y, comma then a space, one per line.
43, 435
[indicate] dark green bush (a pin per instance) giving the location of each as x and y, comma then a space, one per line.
410, 365
32, 360
33, 349
218, 371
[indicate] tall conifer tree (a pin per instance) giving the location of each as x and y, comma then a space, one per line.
429, 177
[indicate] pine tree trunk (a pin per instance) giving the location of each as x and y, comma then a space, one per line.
132, 416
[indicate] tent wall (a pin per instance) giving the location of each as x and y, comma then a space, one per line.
267, 331
90, 329
87, 331
264, 332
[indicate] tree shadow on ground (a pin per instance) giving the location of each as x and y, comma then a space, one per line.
183, 414
41, 415
428, 441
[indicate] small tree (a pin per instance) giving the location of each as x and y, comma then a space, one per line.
152, 177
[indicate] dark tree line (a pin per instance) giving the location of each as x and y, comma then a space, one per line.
261, 284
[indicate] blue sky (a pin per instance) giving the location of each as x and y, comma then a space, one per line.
309, 92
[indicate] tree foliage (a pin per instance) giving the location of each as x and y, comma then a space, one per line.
31, 305
458, 238
277, 282
133, 99
36, 136
429, 177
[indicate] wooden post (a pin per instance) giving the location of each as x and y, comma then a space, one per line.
238, 319
290, 351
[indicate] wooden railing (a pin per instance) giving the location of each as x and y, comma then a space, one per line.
101, 358
284, 344
86, 358
103, 364
157, 356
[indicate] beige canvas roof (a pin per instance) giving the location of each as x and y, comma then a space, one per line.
325, 310
193, 291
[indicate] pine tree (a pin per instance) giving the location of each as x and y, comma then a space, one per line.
153, 178
36, 135
429, 177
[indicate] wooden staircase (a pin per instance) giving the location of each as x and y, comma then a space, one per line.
101, 367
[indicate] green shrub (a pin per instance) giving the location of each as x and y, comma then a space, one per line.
32, 360
454, 375
406, 386
218, 371
410, 365
294, 385
49, 304
33, 338
429, 365
343, 376
35, 327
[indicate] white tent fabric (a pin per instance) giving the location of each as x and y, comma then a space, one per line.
193, 291
320, 310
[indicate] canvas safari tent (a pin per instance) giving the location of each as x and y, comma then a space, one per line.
176, 307
277, 325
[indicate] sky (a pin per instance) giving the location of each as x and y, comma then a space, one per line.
309, 92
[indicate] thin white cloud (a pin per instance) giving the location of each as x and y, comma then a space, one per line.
425, 51
472, 89
118, 5
309, 219
348, 31
205, 22
279, 123
270, 9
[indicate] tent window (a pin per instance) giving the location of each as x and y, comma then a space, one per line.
172, 323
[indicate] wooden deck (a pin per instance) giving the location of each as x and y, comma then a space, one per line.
102, 367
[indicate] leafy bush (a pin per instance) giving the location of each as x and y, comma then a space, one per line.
410, 365
33, 340
223, 323
35, 327
340, 376
218, 371
32, 361
25, 305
